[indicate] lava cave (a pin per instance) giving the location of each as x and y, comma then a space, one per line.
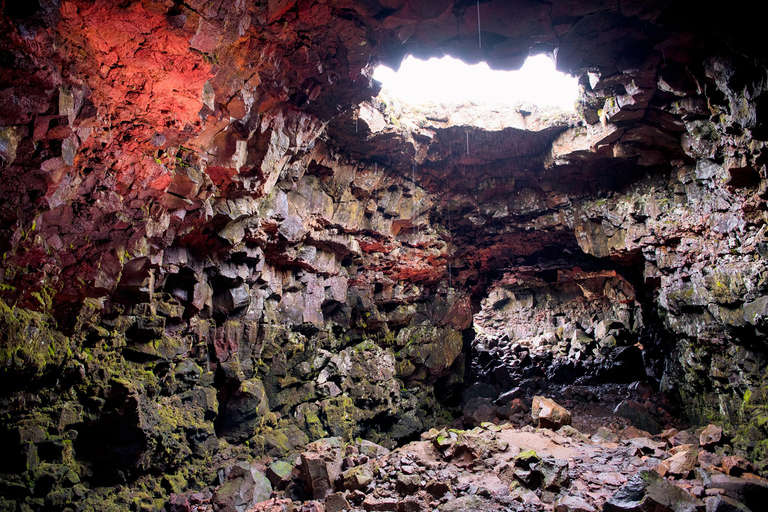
235, 277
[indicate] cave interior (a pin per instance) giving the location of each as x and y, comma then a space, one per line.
220, 243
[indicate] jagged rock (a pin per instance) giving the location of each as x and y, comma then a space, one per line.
679, 464
279, 474
710, 435
647, 491
336, 502
313, 466
243, 486
735, 465
752, 492
724, 504
548, 414
231, 299
356, 478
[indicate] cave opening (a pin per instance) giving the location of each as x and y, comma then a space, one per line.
451, 81
231, 266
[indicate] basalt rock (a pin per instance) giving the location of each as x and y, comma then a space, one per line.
219, 243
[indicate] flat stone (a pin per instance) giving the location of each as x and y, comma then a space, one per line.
573, 504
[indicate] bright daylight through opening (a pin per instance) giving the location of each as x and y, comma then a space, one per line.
449, 80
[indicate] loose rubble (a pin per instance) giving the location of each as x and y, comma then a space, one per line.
500, 467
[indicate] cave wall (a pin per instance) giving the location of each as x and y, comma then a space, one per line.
215, 244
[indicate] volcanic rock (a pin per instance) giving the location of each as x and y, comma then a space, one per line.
548, 414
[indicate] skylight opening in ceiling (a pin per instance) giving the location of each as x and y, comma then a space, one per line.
451, 81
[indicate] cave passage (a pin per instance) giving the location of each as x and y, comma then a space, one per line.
236, 275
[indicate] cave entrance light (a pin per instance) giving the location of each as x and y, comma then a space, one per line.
451, 81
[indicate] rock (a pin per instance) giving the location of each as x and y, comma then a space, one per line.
411, 504
554, 473
406, 484
244, 486
372, 449
603, 435
479, 411
682, 438
279, 474
548, 414
244, 410
725, 504
438, 488
372, 504
315, 472
633, 432
573, 504
753, 492
735, 465
537, 472
709, 460
336, 502
274, 505
569, 431
710, 435
680, 464
648, 492
638, 416
356, 478
645, 445
232, 299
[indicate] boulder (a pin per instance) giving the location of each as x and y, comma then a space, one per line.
753, 491
649, 492
243, 487
638, 416
336, 502
316, 474
356, 478
725, 504
710, 435
279, 474
548, 414
680, 464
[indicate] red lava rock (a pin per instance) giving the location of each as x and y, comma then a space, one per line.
679, 464
548, 414
573, 504
735, 465
633, 432
710, 435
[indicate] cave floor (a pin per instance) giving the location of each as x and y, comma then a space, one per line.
600, 462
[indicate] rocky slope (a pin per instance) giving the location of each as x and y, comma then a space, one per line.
218, 245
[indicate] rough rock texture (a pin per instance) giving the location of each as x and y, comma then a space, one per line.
216, 245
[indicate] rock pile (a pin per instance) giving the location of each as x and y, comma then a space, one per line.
500, 467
